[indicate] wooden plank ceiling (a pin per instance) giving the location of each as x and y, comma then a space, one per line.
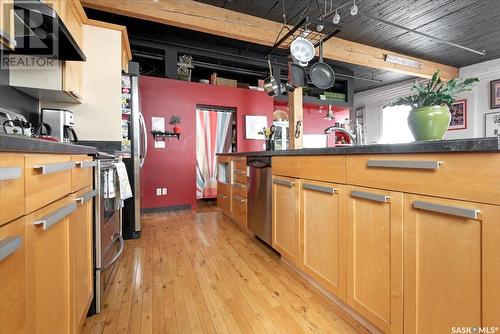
472, 23
232, 24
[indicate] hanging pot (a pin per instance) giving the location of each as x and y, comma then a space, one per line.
270, 84
322, 75
302, 51
297, 76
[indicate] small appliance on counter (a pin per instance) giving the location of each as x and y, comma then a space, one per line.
13, 123
61, 123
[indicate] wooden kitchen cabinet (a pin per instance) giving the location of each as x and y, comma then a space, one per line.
81, 257
239, 210
7, 34
12, 193
224, 197
323, 226
375, 256
49, 267
14, 280
451, 276
286, 223
73, 70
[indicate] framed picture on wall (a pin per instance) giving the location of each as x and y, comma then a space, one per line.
495, 94
458, 112
254, 125
492, 124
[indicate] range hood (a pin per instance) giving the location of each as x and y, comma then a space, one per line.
40, 31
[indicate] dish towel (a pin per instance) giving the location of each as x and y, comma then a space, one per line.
109, 184
123, 183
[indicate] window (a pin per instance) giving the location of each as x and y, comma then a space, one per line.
395, 125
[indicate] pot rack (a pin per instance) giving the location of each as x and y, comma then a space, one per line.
312, 29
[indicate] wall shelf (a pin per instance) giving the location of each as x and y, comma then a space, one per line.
316, 101
168, 135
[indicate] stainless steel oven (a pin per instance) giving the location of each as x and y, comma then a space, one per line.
109, 242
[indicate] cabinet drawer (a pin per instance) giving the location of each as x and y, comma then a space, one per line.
12, 203
240, 163
48, 178
81, 175
224, 197
240, 189
320, 168
240, 175
240, 210
457, 175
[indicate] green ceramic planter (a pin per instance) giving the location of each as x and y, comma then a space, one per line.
429, 123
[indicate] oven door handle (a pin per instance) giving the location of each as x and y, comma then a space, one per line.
117, 256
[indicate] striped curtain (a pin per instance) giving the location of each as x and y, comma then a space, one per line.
213, 135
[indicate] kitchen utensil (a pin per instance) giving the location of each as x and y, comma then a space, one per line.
270, 84
302, 51
297, 76
14, 123
322, 75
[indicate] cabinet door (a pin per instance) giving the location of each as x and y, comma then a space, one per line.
286, 228
80, 236
7, 36
443, 267
13, 279
374, 256
48, 232
323, 226
73, 70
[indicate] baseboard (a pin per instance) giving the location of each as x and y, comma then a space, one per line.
166, 208
348, 314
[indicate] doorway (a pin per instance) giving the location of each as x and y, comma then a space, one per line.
215, 133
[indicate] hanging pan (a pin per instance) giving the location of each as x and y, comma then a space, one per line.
322, 75
297, 76
270, 84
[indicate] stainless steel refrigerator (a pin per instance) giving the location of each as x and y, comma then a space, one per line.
135, 141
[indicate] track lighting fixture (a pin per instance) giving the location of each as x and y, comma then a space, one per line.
336, 17
354, 8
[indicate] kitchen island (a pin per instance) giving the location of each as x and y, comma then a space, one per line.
407, 236
46, 235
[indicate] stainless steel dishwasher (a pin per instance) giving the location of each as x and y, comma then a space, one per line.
260, 198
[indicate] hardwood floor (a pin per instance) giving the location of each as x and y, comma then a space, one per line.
196, 272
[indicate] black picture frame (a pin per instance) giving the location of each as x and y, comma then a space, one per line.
495, 94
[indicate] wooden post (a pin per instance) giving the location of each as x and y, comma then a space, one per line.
296, 112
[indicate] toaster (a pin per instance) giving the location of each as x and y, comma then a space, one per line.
14, 123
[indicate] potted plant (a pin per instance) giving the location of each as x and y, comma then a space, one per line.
175, 120
431, 116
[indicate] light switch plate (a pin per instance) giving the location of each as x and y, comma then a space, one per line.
158, 191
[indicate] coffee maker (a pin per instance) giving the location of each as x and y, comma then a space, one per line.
60, 124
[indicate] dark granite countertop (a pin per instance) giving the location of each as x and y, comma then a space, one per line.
17, 143
491, 144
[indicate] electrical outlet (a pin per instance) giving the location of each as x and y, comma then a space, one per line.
163, 191
158, 191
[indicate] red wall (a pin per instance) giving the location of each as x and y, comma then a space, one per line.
174, 166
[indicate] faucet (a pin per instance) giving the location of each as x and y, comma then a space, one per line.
340, 129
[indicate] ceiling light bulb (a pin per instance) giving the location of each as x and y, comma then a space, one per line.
354, 8
336, 18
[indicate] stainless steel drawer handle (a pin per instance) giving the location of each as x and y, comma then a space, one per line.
322, 189
87, 196
239, 185
54, 168
447, 210
56, 216
118, 238
417, 164
86, 163
222, 196
284, 182
240, 199
10, 173
8, 246
370, 196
